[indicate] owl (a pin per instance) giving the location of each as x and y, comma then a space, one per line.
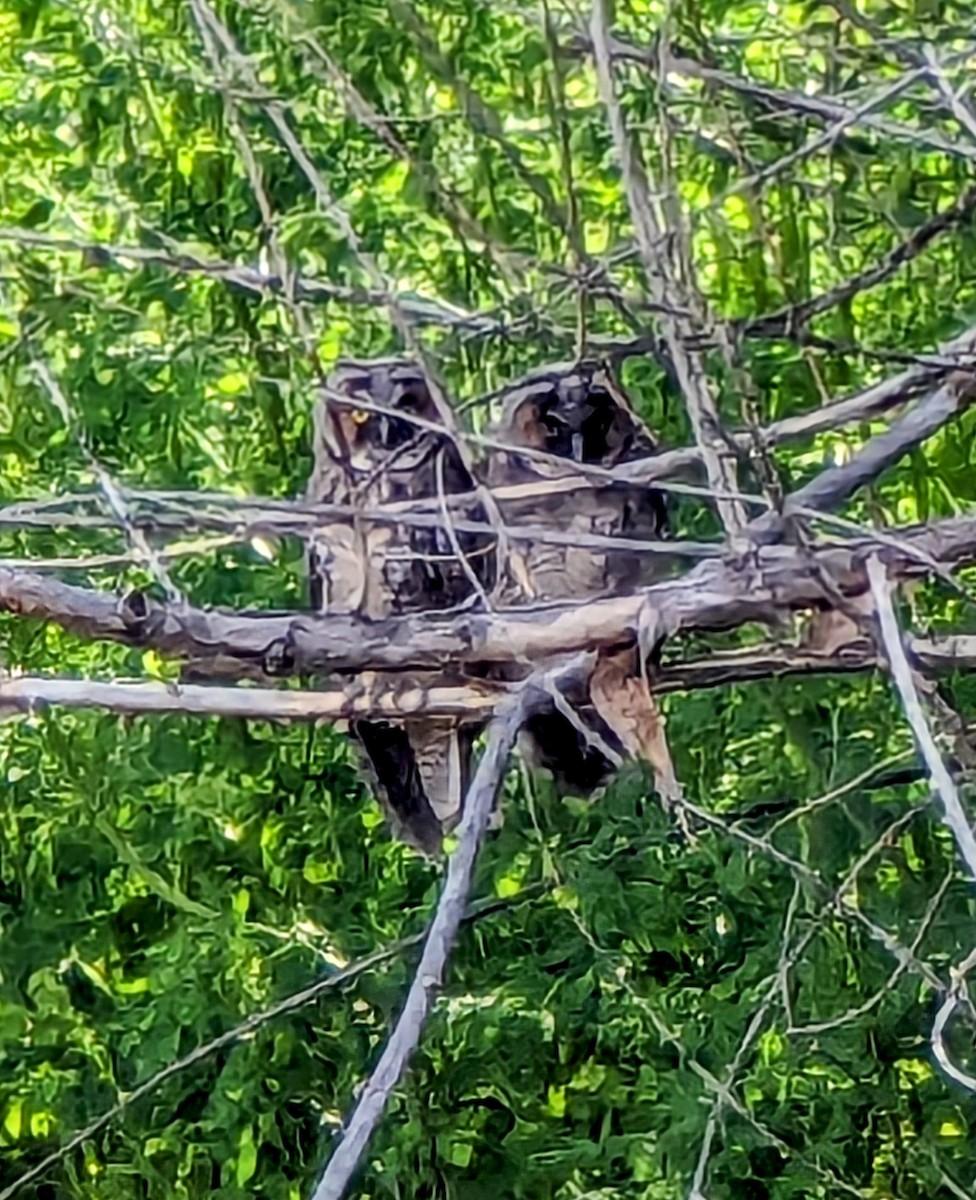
393, 448
579, 415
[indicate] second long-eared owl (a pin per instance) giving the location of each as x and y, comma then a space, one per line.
559, 420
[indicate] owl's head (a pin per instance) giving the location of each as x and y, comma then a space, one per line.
574, 414
363, 407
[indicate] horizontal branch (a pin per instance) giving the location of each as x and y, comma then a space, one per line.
381, 697
308, 288
754, 663
360, 697
713, 595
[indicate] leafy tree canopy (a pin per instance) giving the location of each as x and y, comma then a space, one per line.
203, 209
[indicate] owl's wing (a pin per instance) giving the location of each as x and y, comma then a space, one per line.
398, 783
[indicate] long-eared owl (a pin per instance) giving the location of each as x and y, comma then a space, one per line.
577, 414
390, 447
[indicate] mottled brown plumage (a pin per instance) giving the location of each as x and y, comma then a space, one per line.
580, 416
364, 458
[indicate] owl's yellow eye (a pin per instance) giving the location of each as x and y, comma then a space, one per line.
360, 416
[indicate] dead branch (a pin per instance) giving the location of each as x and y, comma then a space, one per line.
715, 595
364, 695
795, 316
942, 782
380, 697
478, 805
956, 994
836, 484
768, 661
666, 288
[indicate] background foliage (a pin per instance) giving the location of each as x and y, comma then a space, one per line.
162, 878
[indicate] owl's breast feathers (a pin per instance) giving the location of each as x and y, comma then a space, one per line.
580, 416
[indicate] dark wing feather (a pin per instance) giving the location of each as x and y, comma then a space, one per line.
398, 780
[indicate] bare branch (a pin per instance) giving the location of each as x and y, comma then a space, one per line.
960, 109
305, 287
666, 287
714, 595
478, 805
820, 107
363, 696
380, 696
833, 486
955, 815
772, 661
795, 316
958, 993
113, 494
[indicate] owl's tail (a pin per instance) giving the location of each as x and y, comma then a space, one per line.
421, 771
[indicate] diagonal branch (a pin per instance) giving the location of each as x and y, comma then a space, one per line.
248, 1027
666, 288
832, 487
954, 814
795, 316
478, 805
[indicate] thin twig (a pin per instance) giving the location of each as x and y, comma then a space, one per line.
955, 815
666, 287
110, 488
957, 993
250, 1025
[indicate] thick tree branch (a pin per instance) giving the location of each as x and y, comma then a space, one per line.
714, 595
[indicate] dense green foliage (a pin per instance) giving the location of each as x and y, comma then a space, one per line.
161, 879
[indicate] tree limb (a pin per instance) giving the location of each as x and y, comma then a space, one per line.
478, 805
955, 815
715, 595
382, 697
